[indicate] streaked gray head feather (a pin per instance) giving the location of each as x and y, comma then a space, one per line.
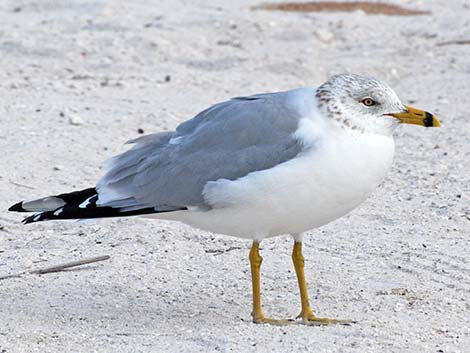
341, 99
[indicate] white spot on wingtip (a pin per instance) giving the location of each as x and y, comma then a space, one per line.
85, 203
59, 211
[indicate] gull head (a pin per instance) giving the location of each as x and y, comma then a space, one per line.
367, 105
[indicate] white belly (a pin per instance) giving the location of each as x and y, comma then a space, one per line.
304, 193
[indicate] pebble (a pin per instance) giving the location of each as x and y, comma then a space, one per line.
325, 35
76, 120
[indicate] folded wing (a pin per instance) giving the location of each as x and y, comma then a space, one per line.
226, 141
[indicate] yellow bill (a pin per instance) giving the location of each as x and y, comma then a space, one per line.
417, 117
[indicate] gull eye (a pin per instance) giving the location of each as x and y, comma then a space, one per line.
368, 102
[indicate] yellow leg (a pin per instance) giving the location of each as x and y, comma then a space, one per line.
306, 314
257, 313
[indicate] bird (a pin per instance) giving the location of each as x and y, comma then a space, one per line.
255, 167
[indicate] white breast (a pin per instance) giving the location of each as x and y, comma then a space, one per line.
309, 191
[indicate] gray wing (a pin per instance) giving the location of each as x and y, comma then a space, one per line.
228, 140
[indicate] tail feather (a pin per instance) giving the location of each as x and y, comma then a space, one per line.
76, 205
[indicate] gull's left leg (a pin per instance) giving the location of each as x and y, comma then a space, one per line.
306, 314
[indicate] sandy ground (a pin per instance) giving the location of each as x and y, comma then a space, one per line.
78, 78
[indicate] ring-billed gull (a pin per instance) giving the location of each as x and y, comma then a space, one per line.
255, 167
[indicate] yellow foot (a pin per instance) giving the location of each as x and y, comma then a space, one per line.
276, 322
312, 320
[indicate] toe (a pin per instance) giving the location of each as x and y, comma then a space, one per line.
276, 322
323, 321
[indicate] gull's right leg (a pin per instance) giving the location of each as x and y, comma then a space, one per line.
257, 313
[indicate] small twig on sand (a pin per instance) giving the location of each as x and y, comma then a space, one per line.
22, 185
217, 252
454, 42
60, 267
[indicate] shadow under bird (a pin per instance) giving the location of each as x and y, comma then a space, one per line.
255, 167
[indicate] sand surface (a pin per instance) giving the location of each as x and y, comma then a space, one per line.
78, 78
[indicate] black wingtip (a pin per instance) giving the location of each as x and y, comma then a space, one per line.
37, 217
27, 220
17, 207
